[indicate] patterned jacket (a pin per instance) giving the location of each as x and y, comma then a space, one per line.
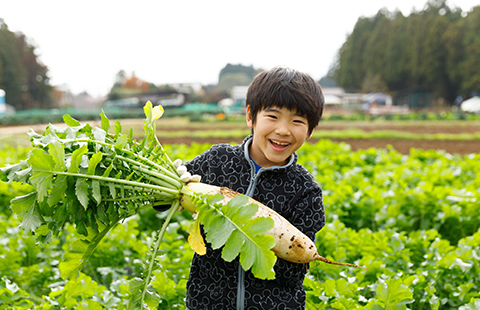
291, 191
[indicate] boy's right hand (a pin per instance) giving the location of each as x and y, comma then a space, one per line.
185, 176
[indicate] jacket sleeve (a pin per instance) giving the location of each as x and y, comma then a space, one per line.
217, 166
199, 164
309, 213
309, 217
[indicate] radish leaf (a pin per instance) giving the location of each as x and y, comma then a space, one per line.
70, 121
58, 190
231, 225
195, 238
105, 123
81, 190
25, 206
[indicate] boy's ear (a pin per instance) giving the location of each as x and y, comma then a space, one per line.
249, 119
310, 135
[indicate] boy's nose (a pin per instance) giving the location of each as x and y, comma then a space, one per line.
282, 129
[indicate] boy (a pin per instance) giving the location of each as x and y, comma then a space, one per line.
283, 108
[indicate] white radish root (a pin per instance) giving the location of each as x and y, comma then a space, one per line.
291, 244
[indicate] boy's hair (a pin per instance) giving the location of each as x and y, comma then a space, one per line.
286, 88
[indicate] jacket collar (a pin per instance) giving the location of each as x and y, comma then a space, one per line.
291, 161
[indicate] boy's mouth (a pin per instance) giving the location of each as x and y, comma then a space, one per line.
278, 145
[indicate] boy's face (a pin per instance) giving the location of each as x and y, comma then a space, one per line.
277, 134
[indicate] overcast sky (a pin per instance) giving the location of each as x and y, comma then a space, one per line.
85, 43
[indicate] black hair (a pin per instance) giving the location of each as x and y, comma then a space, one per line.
286, 88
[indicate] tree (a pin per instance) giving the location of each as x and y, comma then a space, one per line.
396, 64
120, 78
235, 75
241, 70
433, 65
454, 37
373, 83
14, 76
125, 86
350, 68
134, 83
39, 91
327, 81
227, 81
436, 48
470, 66
24, 79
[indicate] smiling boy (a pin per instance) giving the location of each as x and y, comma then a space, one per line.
278, 133
283, 108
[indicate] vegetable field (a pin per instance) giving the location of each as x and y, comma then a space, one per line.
412, 218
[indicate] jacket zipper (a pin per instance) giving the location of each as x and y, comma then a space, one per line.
241, 272
251, 188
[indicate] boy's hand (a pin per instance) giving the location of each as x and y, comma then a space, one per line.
185, 176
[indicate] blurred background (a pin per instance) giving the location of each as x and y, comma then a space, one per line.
372, 57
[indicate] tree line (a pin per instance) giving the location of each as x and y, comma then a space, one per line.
436, 49
22, 76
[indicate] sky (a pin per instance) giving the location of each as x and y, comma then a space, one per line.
86, 43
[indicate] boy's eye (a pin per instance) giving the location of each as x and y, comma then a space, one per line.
298, 121
272, 116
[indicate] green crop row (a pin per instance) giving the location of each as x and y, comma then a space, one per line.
392, 134
418, 116
411, 219
36, 116
327, 134
381, 188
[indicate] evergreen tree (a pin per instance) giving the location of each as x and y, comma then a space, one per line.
14, 76
249, 72
436, 49
470, 66
235, 75
350, 66
38, 90
24, 79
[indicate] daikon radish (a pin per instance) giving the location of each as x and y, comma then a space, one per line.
291, 244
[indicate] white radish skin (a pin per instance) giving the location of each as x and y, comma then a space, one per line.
291, 244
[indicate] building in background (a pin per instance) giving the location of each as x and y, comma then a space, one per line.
3, 105
239, 95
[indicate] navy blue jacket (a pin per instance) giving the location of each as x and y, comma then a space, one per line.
291, 191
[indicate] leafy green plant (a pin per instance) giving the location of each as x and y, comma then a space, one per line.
11, 296
381, 188
86, 177
369, 196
